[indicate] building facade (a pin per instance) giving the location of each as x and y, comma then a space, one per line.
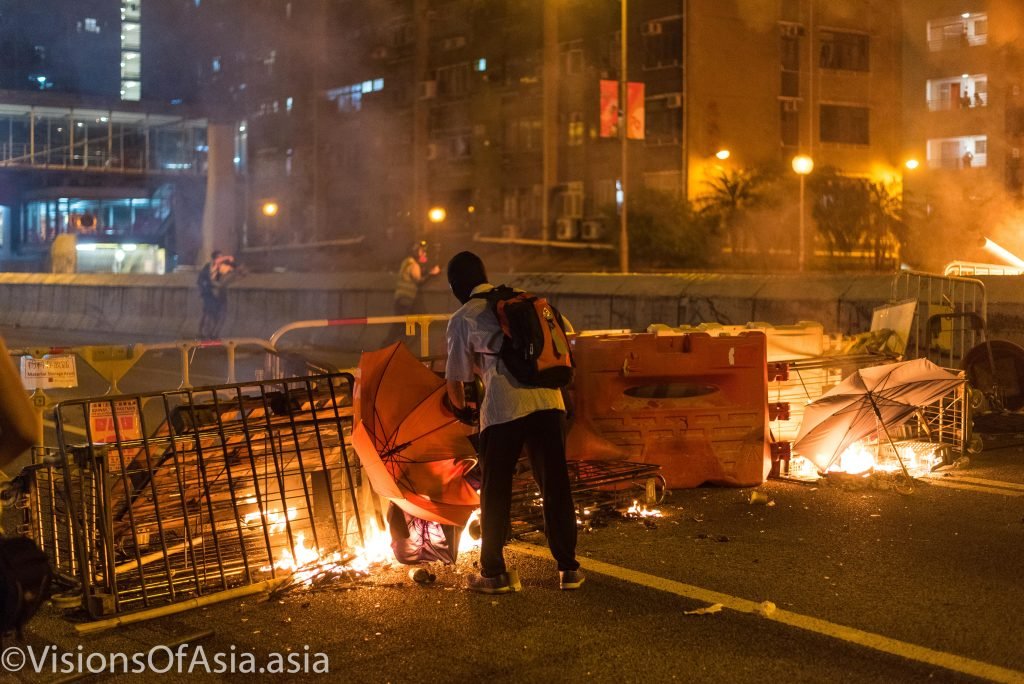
964, 120
91, 143
492, 111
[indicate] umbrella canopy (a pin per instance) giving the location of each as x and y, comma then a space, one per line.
846, 413
413, 450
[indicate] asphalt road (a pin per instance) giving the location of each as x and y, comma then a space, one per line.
868, 585
939, 568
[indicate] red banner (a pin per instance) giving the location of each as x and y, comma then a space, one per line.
635, 111
609, 109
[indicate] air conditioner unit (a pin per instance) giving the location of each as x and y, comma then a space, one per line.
427, 90
651, 28
791, 30
592, 229
791, 105
567, 228
674, 101
381, 52
431, 151
510, 231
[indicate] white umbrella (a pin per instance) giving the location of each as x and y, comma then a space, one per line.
852, 410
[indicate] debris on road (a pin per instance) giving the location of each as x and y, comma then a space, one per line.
706, 610
765, 609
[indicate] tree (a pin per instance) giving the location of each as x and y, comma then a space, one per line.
731, 196
857, 212
664, 231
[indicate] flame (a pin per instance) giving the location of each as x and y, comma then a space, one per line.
309, 563
863, 459
276, 522
466, 541
640, 511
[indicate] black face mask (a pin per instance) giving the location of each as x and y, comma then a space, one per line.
462, 291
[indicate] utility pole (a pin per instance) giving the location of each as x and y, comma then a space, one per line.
550, 113
624, 133
420, 112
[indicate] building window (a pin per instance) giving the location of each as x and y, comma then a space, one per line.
350, 98
966, 30
663, 119
572, 58
453, 81
844, 51
402, 34
664, 181
576, 130
89, 25
789, 123
789, 53
523, 135
571, 200
663, 43
957, 92
965, 152
604, 194
843, 124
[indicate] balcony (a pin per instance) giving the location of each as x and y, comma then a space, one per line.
952, 33
945, 104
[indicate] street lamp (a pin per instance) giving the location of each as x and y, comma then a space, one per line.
723, 154
802, 165
270, 208
437, 214
912, 164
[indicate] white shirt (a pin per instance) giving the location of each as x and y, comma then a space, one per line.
474, 342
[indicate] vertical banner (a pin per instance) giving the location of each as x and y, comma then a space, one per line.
609, 109
635, 111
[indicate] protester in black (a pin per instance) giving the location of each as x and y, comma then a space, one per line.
512, 416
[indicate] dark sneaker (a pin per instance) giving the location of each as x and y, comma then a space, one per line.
570, 579
502, 584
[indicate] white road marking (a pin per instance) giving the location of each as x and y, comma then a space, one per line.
974, 487
902, 649
984, 481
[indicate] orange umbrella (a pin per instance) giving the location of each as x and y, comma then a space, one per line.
413, 450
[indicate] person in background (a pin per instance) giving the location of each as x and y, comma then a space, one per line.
213, 282
513, 416
407, 286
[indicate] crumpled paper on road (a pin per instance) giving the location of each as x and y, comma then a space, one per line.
706, 610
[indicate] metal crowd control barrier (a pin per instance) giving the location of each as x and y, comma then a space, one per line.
176, 495
412, 322
950, 317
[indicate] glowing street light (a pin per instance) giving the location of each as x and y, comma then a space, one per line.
802, 165
437, 214
723, 154
270, 208
912, 164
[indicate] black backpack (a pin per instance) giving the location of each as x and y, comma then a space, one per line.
25, 578
535, 348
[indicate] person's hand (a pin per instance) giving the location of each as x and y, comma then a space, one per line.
436, 270
466, 414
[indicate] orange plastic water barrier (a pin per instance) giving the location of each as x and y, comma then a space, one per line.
694, 404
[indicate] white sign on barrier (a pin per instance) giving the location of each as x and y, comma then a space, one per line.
49, 372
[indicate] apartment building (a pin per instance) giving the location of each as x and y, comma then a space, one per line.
93, 143
964, 112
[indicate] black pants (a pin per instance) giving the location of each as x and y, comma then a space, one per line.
500, 447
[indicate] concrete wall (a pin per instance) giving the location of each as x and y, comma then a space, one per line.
169, 307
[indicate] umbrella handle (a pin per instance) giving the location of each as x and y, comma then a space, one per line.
896, 451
